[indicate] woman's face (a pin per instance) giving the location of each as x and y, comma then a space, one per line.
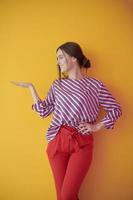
64, 60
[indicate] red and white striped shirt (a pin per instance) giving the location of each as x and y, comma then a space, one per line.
77, 100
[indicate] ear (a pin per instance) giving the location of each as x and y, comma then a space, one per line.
74, 59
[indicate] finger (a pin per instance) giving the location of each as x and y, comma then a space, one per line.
84, 133
13, 82
83, 130
87, 132
81, 126
18, 84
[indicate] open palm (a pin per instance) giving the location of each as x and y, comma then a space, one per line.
22, 84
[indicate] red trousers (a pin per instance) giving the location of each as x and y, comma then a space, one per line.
70, 154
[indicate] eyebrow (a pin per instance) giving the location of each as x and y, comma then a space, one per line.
59, 56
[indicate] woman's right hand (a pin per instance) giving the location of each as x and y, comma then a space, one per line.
30, 86
22, 84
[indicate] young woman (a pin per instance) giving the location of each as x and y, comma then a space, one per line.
75, 101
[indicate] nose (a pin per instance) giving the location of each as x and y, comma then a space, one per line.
58, 64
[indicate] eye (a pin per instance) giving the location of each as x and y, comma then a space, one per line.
59, 58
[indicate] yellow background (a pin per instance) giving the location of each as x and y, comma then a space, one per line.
30, 32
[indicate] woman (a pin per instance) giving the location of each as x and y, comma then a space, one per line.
75, 101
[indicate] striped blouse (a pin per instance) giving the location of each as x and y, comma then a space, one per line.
77, 100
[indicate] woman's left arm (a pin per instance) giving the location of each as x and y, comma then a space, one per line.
112, 108
110, 105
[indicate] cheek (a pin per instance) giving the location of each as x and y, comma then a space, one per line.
64, 61
65, 64
70, 65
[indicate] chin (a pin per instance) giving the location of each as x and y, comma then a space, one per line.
63, 70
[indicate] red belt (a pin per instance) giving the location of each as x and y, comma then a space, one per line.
68, 139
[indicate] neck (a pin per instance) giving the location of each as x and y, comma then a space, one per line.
75, 75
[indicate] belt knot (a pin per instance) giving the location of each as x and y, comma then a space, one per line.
72, 136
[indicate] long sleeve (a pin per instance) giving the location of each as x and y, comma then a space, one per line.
110, 105
45, 107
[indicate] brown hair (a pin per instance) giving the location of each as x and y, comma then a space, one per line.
74, 49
